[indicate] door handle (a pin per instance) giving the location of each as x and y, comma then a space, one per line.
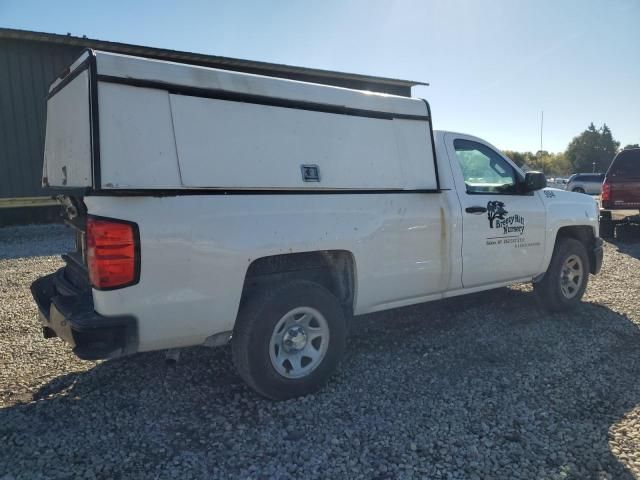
477, 210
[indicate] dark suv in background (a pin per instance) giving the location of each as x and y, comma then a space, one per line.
621, 191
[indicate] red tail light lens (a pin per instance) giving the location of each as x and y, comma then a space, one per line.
606, 192
113, 254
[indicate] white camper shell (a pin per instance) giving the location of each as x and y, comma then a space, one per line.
117, 122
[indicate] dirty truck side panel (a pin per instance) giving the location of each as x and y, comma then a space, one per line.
196, 250
566, 209
151, 139
67, 150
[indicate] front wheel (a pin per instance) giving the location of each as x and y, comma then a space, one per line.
578, 190
565, 281
289, 339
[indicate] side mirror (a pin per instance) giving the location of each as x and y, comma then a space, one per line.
534, 181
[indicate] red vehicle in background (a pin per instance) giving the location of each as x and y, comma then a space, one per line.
621, 191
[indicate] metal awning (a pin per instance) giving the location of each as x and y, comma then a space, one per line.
352, 80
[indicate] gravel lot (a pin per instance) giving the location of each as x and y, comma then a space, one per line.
482, 387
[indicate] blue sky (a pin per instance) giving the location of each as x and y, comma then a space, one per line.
493, 65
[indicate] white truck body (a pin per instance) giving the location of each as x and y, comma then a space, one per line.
220, 170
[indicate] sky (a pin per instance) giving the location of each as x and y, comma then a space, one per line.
493, 65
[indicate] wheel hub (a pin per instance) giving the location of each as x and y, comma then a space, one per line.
294, 339
571, 276
299, 342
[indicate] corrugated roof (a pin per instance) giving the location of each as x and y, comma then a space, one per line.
215, 61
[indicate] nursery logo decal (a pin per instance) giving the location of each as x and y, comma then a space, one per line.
497, 215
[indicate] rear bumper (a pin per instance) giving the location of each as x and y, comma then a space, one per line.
67, 312
597, 254
609, 205
620, 213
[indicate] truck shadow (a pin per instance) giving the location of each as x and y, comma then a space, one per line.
631, 248
485, 384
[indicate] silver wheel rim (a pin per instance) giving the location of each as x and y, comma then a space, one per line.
571, 276
299, 342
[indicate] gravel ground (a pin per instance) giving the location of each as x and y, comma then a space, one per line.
482, 387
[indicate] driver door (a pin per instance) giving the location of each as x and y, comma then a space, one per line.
503, 228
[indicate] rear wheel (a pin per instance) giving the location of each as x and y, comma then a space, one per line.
565, 281
289, 339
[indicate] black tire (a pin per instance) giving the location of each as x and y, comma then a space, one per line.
549, 291
257, 319
578, 190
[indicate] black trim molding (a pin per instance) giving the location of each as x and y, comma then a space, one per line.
258, 99
174, 192
433, 144
95, 121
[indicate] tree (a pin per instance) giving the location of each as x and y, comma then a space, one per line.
552, 164
631, 145
495, 209
519, 158
592, 149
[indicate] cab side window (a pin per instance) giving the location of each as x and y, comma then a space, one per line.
483, 169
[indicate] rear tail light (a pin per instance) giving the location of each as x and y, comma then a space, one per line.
606, 192
113, 253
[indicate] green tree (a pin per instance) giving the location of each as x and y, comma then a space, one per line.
519, 158
552, 164
524, 160
632, 145
594, 146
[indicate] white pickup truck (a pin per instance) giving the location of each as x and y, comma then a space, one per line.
215, 206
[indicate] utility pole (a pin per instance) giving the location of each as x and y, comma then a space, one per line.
541, 125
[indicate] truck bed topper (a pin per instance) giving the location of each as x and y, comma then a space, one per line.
122, 124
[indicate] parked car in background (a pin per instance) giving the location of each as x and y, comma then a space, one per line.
590, 183
621, 191
557, 182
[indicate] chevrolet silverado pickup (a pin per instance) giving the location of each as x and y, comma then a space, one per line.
214, 206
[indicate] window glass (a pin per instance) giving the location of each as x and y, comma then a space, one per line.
627, 164
597, 177
483, 169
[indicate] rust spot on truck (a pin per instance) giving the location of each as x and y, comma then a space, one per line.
444, 251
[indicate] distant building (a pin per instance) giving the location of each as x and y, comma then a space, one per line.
30, 61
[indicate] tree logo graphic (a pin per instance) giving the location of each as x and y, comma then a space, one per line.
495, 209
